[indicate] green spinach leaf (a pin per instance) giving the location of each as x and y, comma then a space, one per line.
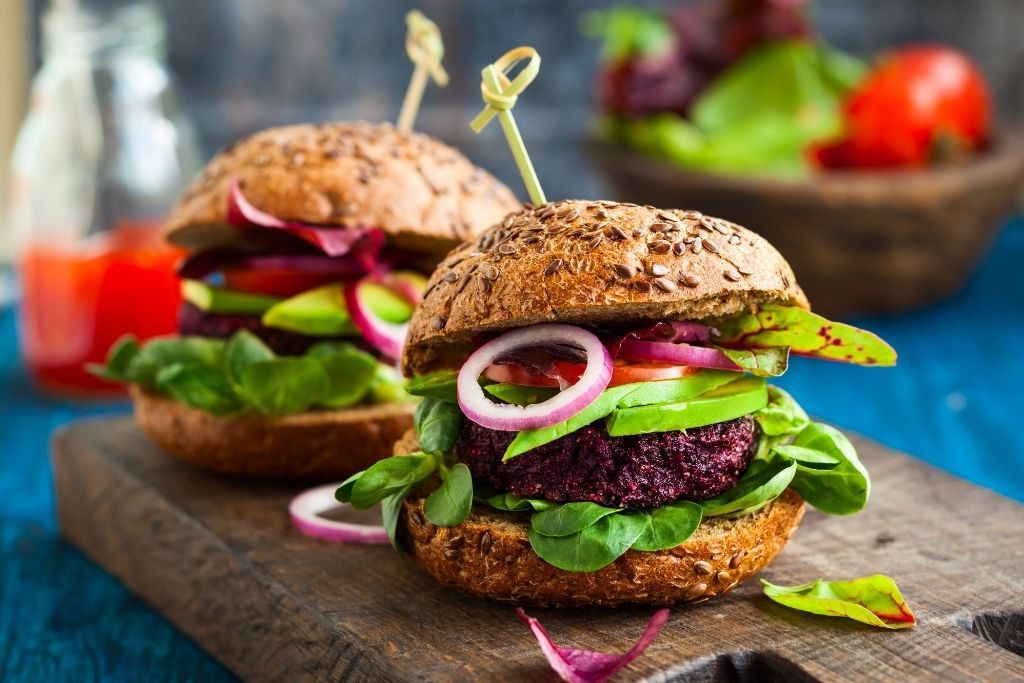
344, 492
440, 385
390, 510
592, 548
199, 386
569, 518
763, 482
350, 372
782, 415
284, 385
386, 477
119, 359
449, 504
163, 352
242, 350
873, 600
842, 489
808, 457
437, 423
509, 502
667, 526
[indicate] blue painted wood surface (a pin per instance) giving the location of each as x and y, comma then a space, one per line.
955, 400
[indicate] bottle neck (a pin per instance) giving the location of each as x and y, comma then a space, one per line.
72, 32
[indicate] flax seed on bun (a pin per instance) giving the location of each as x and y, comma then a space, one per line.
489, 555
425, 195
593, 263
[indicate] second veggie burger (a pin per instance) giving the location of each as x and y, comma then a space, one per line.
596, 426
308, 247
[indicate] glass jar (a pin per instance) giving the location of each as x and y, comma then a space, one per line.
99, 160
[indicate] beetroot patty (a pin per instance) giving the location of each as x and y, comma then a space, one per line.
641, 471
195, 321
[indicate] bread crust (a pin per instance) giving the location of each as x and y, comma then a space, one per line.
316, 446
425, 195
489, 555
593, 263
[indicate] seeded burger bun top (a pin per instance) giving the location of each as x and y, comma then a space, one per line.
423, 194
593, 263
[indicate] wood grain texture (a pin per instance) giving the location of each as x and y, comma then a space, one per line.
220, 559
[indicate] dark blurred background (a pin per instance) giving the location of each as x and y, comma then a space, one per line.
243, 65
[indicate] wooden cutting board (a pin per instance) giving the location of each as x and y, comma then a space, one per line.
220, 559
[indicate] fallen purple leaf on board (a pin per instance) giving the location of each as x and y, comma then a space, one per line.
586, 666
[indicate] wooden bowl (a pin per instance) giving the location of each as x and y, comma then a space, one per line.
859, 242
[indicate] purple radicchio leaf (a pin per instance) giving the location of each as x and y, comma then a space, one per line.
586, 666
333, 241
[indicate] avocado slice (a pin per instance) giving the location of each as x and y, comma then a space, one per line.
644, 393
736, 399
321, 311
675, 390
417, 280
213, 299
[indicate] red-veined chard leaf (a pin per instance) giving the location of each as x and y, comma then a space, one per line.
873, 600
806, 334
768, 362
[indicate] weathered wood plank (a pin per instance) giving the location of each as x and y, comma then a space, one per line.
220, 560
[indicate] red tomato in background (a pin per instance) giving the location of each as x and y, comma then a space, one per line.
921, 104
276, 282
623, 373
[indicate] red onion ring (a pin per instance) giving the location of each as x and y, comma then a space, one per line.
681, 354
306, 508
386, 337
333, 241
508, 417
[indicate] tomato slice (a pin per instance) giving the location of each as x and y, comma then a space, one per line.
624, 372
276, 282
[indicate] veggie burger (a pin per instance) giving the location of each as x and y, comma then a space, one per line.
596, 424
307, 247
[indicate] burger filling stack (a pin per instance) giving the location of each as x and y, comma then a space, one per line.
597, 423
